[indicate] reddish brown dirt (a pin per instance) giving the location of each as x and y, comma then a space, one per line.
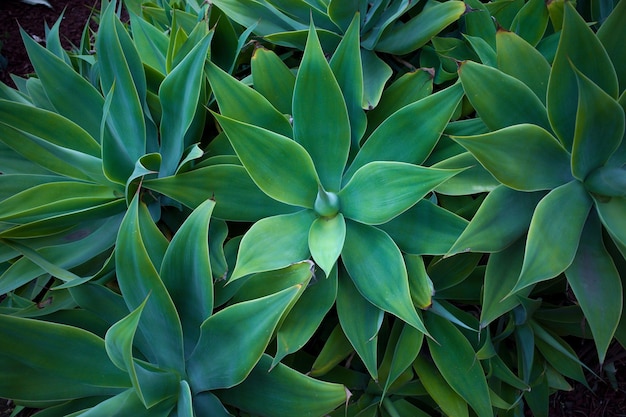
32, 19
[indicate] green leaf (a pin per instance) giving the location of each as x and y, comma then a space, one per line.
446, 398
226, 184
425, 229
578, 46
348, 70
320, 116
128, 403
207, 404
179, 94
326, 238
76, 364
503, 270
274, 243
138, 277
394, 140
523, 157
306, 315
607, 181
403, 353
493, 229
456, 360
401, 39
273, 79
381, 190
188, 256
282, 392
240, 102
598, 116
376, 72
233, 340
360, 322
554, 233
596, 283
377, 269
124, 137
483, 85
250, 12
611, 213
519, 59
474, 178
531, 21
280, 167
606, 35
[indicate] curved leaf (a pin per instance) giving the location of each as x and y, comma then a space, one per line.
456, 360
326, 238
281, 167
381, 190
274, 243
611, 213
580, 47
188, 256
523, 157
554, 233
273, 79
283, 392
606, 35
597, 286
377, 269
320, 116
483, 86
446, 398
233, 340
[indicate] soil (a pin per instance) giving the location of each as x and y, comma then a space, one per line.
606, 398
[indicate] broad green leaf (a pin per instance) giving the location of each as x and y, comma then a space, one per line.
486, 53
179, 94
377, 269
76, 364
151, 42
483, 84
580, 48
60, 81
403, 353
606, 35
425, 229
421, 286
270, 282
47, 266
597, 285
447, 399
607, 181
249, 12
124, 137
273, 79
240, 102
127, 403
407, 89
237, 196
336, 348
35, 143
519, 59
611, 213
342, 12
381, 190
188, 256
360, 322
456, 360
492, 229
233, 340
207, 404
523, 157
306, 315
283, 392
503, 269
598, 116
320, 116
326, 238
280, 167
531, 21
401, 38
151, 387
274, 243
411, 133
554, 233
479, 24
474, 178
348, 70
137, 277
50, 199
376, 73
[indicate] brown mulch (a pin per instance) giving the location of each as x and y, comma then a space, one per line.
605, 399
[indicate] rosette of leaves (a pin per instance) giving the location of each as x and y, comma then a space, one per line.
73, 151
556, 146
397, 27
174, 354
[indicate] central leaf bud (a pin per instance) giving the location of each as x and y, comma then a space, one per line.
326, 203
